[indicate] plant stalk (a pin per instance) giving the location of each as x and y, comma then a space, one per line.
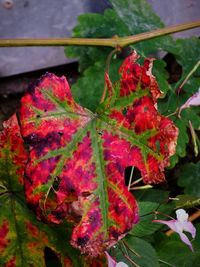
110, 42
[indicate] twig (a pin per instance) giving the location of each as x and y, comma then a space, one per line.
130, 178
188, 76
133, 251
148, 186
135, 264
167, 263
110, 42
194, 139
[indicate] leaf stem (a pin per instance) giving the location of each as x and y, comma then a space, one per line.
167, 263
134, 263
188, 76
137, 181
110, 42
130, 178
107, 71
148, 186
194, 139
131, 249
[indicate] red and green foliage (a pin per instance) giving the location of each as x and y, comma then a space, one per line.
64, 157
76, 159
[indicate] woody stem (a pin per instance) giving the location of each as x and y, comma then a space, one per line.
111, 42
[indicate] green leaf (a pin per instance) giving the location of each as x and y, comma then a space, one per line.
22, 237
87, 95
95, 26
171, 250
161, 75
189, 179
138, 250
78, 158
186, 56
146, 226
140, 17
136, 14
182, 142
127, 18
152, 195
169, 106
131, 17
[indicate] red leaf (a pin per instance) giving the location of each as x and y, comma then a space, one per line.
78, 158
11, 262
12, 149
22, 238
4, 240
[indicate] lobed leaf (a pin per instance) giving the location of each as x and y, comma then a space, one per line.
23, 238
77, 158
135, 251
95, 26
128, 18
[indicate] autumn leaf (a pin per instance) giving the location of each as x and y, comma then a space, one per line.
13, 155
23, 238
78, 158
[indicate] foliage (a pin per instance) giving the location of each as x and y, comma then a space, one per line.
69, 152
22, 237
189, 179
128, 18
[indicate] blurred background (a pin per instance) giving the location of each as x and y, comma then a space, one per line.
49, 18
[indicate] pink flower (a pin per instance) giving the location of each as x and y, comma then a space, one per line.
180, 225
113, 263
194, 100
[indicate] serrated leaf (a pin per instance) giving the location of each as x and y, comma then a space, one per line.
187, 59
159, 71
189, 179
90, 98
140, 17
95, 26
186, 56
187, 115
78, 158
128, 17
139, 251
182, 142
171, 250
146, 226
23, 238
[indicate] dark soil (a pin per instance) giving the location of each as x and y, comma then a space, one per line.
12, 88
